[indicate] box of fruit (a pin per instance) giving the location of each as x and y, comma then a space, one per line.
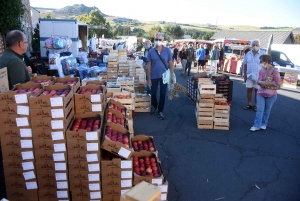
116, 140
147, 168
20, 93
125, 81
15, 120
143, 143
96, 82
116, 117
111, 161
113, 104
43, 79
57, 95
90, 94
124, 97
72, 81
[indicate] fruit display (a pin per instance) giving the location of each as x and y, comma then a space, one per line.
122, 96
115, 107
56, 93
31, 90
146, 166
113, 118
69, 82
147, 145
89, 124
93, 91
43, 81
116, 136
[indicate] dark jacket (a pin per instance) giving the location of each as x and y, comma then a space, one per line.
16, 68
183, 55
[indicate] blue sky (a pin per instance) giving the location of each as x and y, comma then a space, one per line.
228, 12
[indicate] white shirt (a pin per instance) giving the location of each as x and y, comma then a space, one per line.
253, 64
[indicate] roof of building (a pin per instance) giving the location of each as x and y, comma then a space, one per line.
279, 37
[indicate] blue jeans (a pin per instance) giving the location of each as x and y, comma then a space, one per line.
264, 106
162, 94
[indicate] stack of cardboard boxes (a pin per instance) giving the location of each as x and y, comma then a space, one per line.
17, 143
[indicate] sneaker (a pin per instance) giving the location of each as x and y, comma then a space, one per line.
161, 116
254, 128
263, 127
153, 110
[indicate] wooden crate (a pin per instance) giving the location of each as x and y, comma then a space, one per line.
221, 125
205, 116
221, 100
205, 81
219, 96
205, 107
117, 96
224, 109
221, 118
127, 81
206, 98
205, 124
207, 88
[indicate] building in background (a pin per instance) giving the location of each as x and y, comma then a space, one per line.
27, 23
35, 15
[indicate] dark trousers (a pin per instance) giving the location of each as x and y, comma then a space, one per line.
162, 93
188, 67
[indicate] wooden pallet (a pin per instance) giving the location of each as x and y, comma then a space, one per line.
221, 126
221, 118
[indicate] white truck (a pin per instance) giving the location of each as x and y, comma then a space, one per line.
77, 31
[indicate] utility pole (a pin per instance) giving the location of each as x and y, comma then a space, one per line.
217, 25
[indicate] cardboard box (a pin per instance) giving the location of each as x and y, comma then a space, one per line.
48, 101
40, 134
49, 144
117, 163
22, 194
15, 120
45, 185
110, 112
112, 103
43, 79
7, 97
143, 138
52, 175
84, 156
143, 192
51, 165
116, 182
114, 191
88, 97
16, 183
85, 185
54, 113
84, 176
50, 155
78, 146
18, 153
86, 195
3, 80
15, 132
89, 107
13, 108
116, 147
123, 97
116, 173
16, 143
68, 78
84, 166
53, 194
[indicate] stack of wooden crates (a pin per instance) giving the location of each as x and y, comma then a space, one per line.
212, 110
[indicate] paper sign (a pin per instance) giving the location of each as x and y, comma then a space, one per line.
95, 195
23, 110
28, 166
157, 181
57, 113
62, 194
22, 122
94, 177
92, 146
61, 147
96, 107
92, 158
59, 157
126, 164
163, 196
61, 176
94, 187
96, 98
62, 185
57, 124
56, 102
31, 185
27, 155
57, 135
21, 98
26, 144
94, 167
126, 183
126, 174
25, 132
164, 188
60, 166
124, 152
91, 136
29, 175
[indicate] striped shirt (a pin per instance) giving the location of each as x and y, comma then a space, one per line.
253, 64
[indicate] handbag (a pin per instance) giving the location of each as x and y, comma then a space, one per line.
270, 78
166, 76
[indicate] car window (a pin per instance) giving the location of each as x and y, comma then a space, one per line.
283, 57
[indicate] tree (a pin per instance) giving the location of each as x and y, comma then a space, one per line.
95, 18
11, 12
48, 16
138, 32
174, 31
153, 32
36, 38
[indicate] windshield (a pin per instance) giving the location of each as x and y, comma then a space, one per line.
227, 49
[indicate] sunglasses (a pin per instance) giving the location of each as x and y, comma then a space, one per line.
157, 39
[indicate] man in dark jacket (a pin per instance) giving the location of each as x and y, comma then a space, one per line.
17, 72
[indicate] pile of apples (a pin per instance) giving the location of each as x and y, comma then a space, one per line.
115, 107
86, 124
116, 136
32, 90
123, 96
93, 91
43, 81
112, 118
70, 82
56, 93
221, 103
143, 145
144, 166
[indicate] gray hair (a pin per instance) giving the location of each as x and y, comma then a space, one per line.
159, 34
255, 40
13, 37
147, 41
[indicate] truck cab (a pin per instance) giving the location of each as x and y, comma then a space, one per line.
280, 59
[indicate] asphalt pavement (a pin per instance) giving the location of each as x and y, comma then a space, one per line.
208, 165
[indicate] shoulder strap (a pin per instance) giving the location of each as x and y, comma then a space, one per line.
161, 60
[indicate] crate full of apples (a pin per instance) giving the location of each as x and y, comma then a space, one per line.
116, 140
123, 97
88, 124
90, 94
143, 143
68, 80
147, 167
113, 104
43, 79
116, 117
